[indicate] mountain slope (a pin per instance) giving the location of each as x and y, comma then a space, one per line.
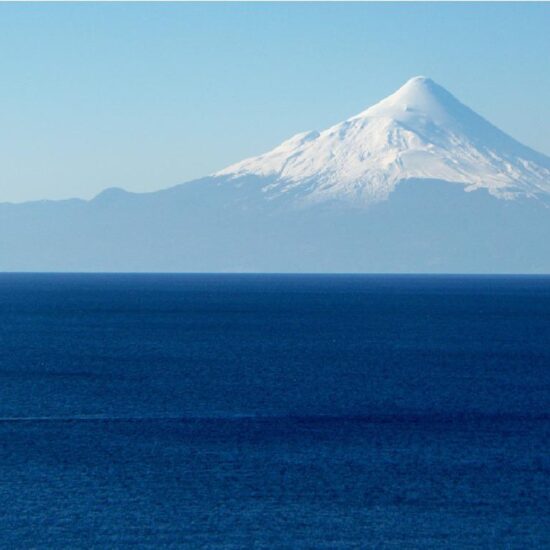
426, 227
419, 132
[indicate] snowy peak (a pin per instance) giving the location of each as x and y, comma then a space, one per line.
419, 96
421, 131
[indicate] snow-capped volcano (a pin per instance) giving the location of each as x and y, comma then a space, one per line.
299, 208
419, 132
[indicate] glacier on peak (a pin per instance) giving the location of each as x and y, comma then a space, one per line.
421, 131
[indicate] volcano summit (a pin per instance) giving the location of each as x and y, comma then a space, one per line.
419, 132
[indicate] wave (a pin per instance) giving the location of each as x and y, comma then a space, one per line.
379, 418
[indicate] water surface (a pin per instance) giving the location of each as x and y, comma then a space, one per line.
295, 411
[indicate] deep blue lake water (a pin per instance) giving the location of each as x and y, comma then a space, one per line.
231, 411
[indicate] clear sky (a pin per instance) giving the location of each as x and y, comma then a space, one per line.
145, 96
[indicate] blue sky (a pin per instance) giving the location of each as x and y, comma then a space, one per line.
145, 96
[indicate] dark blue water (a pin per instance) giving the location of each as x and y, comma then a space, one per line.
274, 411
